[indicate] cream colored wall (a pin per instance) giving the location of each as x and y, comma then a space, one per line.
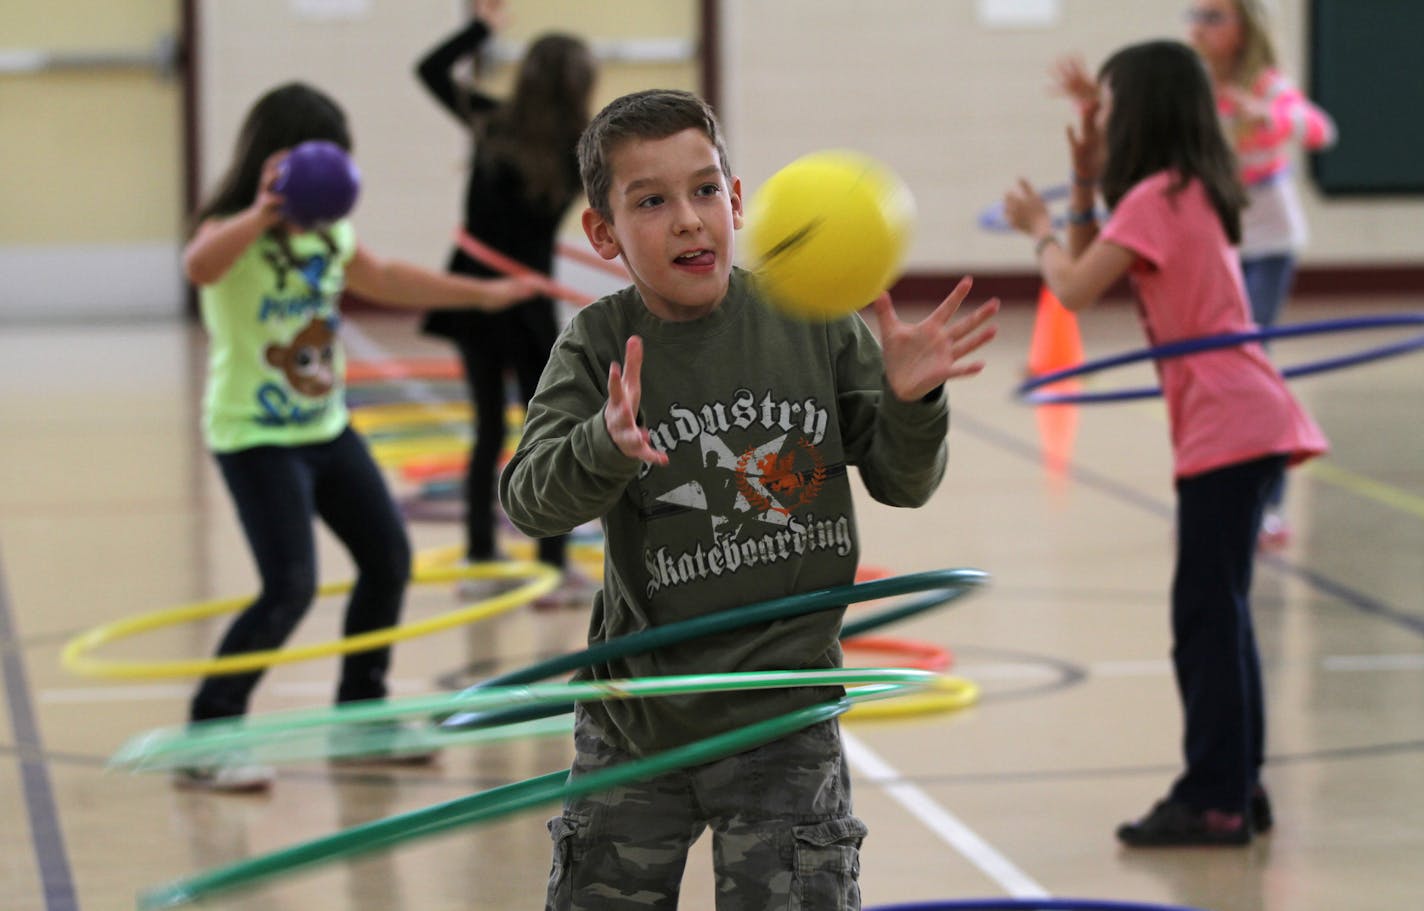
960, 110
90, 165
412, 154
91, 180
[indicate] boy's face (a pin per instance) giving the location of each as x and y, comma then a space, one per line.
674, 215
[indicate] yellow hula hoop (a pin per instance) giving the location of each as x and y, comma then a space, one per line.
75, 657
589, 554
389, 454
367, 418
945, 694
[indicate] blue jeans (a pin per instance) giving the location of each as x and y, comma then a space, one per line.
1268, 284
278, 492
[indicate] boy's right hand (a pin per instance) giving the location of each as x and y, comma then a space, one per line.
620, 415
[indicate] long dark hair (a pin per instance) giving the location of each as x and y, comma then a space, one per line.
537, 129
1164, 118
287, 115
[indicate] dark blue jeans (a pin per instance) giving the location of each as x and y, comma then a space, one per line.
278, 492
485, 360
1213, 639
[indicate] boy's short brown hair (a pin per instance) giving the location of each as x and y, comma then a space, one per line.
651, 114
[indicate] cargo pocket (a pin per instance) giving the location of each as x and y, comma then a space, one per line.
563, 831
827, 865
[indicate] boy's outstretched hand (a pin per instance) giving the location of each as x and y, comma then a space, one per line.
620, 415
921, 356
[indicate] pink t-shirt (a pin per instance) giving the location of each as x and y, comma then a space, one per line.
1225, 406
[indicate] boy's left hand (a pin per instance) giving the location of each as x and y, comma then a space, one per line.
919, 357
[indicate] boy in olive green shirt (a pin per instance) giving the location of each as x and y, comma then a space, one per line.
712, 434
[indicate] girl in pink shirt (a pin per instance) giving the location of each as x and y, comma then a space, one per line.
1265, 117
1152, 139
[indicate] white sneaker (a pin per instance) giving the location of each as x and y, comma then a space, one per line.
468, 591
575, 590
382, 743
239, 777
1275, 534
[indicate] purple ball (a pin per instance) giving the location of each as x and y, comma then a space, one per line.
319, 183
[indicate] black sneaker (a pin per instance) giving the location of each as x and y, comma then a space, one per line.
1173, 824
1261, 817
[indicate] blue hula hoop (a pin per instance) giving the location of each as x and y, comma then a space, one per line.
1027, 391
1030, 904
991, 217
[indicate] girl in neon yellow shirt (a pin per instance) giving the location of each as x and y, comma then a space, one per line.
274, 412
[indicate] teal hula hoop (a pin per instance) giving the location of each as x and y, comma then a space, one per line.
304, 734
489, 805
955, 582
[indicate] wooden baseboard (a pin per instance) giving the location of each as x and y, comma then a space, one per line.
1364, 280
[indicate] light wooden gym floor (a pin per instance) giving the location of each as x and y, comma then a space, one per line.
109, 507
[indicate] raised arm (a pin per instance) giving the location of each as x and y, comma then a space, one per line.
1077, 280
218, 242
396, 283
435, 72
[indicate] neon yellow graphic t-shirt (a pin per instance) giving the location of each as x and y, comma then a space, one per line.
276, 371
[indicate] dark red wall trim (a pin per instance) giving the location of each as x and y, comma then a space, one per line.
1312, 281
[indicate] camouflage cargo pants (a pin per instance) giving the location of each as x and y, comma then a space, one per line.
783, 836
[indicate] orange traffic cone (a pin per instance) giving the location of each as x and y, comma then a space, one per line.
1057, 433
1056, 344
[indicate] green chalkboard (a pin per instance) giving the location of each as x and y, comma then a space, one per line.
1367, 71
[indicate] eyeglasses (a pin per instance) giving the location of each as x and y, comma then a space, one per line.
1210, 18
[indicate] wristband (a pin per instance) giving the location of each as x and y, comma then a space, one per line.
1043, 243
1084, 217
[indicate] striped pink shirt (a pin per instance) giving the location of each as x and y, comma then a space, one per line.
1264, 146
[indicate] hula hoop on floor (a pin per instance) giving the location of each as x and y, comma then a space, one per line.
1027, 391
409, 369
1031, 904
948, 694
925, 656
485, 806
394, 453
395, 392
403, 415
542, 579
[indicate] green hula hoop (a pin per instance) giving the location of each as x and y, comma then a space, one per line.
489, 805
303, 733
954, 582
